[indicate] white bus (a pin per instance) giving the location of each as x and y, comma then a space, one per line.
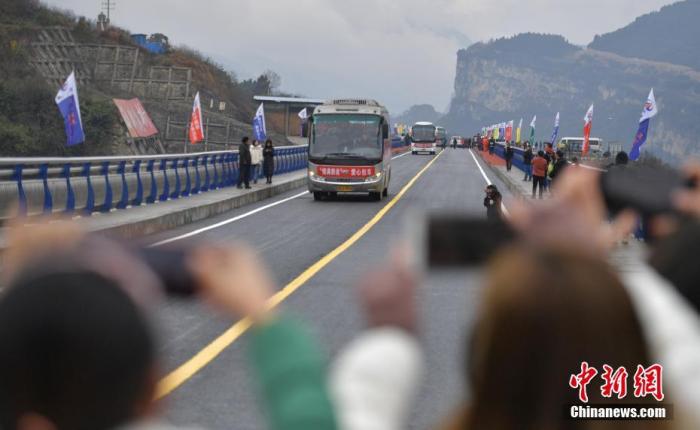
423, 138
574, 145
349, 149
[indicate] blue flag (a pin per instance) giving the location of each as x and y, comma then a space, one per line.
555, 132
259, 130
650, 110
69, 105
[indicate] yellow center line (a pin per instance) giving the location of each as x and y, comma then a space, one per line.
200, 360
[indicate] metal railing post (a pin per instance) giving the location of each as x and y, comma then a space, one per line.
176, 193
48, 201
138, 199
150, 167
107, 204
188, 183
197, 179
21, 196
70, 195
166, 186
90, 199
124, 199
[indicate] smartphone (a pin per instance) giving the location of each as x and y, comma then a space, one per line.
170, 265
454, 241
647, 190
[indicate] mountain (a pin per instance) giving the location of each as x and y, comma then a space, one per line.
416, 113
533, 74
671, 35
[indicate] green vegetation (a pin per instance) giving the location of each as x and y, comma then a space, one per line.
30, 123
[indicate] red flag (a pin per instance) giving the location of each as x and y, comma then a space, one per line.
196, 131
509, 131
588, 124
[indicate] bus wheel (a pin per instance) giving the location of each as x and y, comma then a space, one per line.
385, 193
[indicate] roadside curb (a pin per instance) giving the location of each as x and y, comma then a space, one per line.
178, 218
512, 186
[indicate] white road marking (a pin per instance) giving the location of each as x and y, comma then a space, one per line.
488, 181
237, 218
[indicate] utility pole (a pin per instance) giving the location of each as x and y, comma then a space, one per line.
107, 7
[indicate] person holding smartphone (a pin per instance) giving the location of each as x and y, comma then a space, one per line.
492, 203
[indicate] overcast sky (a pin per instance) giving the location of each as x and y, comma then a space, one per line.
401, 52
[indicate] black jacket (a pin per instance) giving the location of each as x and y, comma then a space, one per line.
559, 167
493, 206
509, 152
527, 157
244, 154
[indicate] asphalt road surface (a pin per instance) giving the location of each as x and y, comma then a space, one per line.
293, 232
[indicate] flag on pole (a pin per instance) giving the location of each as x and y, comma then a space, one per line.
259, 129
587, 125
518, 131
650, 110
532, 129
303, 114
69, 105
196, 133
509, 131
555, 132
496, 132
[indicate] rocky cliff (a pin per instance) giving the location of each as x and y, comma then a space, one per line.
539, 75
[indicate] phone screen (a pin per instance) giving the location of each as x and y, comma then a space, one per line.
645, 189
456, 241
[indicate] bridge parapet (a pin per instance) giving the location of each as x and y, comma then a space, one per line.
85, 185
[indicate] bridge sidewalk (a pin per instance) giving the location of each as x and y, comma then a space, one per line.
161, 216
627, 256
513, 179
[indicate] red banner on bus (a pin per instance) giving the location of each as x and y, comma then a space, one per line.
136, 118
345, 171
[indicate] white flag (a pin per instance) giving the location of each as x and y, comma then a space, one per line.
303, 114
534, 121
589, 116
650, 108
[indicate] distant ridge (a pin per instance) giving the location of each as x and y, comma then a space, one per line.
671, 35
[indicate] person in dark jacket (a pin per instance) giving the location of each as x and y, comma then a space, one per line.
560, 164
244, 161
509, 156
527, 161
492, 203
268, 160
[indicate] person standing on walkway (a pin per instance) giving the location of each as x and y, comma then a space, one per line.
244, 162
539, 173
492, 203
509, 156
256, 159
527, 161
268, 160
560, 164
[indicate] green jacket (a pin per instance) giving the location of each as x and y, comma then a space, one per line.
291, 372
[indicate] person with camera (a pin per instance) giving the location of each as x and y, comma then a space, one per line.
493, 202
78, 351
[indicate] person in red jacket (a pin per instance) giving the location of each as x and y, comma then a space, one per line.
539, 173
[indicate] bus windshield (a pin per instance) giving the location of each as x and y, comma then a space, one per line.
346, 135
423, 133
